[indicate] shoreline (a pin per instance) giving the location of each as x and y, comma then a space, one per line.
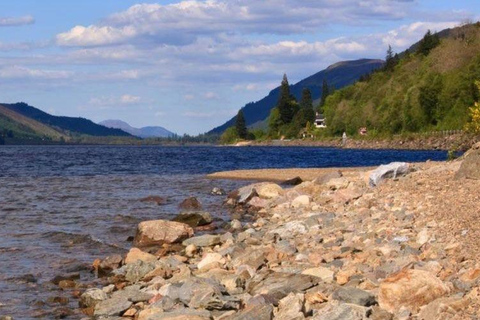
331, 245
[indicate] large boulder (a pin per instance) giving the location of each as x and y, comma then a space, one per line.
391, 170
158, 232
268, 190
410, 289
470, 167
136, 254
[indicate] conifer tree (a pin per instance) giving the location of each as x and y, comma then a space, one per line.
325, 93
241, 125
428, 43
284, 104
306, 105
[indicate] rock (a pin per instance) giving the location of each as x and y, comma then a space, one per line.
380, 314
69, 276
236, 224
218, 192
244, 194
156, 199
258, 203
194, 219
110, 263
342, 311
268, 190
190, 250
190, 204
323, 273
257, 308
211, 259
391, 170
252, 258
290, 229
423, 237
201, 293
354, 296
301, 201
347, 195
112, 307
436, 308
135, 271
327, 177
205, 240
136, 254
292, 182
91, 297
158, 232
410, 289
337, 183
290, 307
470, 167
278, 285
181, 314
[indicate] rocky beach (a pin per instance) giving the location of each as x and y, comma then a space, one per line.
393, 242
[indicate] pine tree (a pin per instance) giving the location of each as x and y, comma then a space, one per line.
326, 91
306, 105
241, 125
284, 102
389, 59
428, 43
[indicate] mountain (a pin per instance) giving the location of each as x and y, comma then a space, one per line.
65, 124
145, 132
337, 75
430, 88
15, 125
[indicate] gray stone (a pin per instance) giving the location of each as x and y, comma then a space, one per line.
133, 294
391, 170
201, 293
217, 192
112, 307
354, 296
134, 272
182, 314
327, 177
343, 311
278, 285
194, 218
205, 240
91, 297
246, 193
258, 308
470, 167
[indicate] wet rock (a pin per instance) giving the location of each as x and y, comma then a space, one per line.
244, 194
28, 278
66, 284
70, 276
470, 167
158, 232
110, 263
342, 311
205, 240
91, 297
278, 285
155, 199
292, 182
136, 254
354, 296
194, 219
217, 192
190, 204
392, 170
410, 289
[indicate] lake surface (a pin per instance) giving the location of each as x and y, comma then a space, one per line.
61, 207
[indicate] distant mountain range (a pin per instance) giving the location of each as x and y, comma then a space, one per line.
145, 132
337, 75
21, 122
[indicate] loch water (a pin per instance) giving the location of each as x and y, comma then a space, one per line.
62, 207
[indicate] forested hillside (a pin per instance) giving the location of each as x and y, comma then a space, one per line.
429, 88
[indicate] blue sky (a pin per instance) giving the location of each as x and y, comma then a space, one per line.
190, 65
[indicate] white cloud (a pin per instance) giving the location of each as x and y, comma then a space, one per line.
106, 101
184, 22
16, 21
21, 72
210, 95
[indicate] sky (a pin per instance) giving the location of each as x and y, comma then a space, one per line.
191, 65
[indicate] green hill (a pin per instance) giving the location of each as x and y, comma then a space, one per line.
427, 89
